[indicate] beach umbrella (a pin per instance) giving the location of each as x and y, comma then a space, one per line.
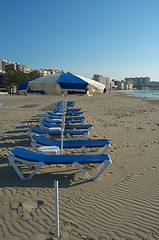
50, 84
57, 84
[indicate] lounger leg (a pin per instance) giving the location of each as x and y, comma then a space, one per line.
106, 164
35, 145
69, 136
12, 160
85, 135
29, 133
106, 148
85, 150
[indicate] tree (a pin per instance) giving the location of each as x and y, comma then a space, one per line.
13, 78
32, 75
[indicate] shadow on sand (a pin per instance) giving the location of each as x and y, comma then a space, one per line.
9, 178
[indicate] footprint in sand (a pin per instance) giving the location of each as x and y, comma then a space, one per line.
30, 205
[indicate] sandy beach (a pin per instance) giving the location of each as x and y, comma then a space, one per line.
121, 204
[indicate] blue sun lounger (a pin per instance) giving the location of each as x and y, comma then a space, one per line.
46, 125
59, 121
46, 133
67, 104
67, 114
59, 110
40, 141
67, 119
23, 155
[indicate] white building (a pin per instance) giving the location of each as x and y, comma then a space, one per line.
102, 79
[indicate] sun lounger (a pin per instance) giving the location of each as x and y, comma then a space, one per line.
46, 125
59, 121
59, 110
23, 155
39, 141
46, 133
67, 114
66, 104
67, 119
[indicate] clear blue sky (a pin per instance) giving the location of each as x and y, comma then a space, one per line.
115, 38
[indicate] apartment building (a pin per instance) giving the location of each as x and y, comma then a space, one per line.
2, 65
102, 79
6, 66
139, 81
44, 72
26, 69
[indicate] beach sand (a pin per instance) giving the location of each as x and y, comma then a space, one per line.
123, 203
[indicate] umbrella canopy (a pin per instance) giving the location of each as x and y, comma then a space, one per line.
56, 84
93, 86
24, 85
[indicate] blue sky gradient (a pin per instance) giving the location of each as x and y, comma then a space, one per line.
115, 38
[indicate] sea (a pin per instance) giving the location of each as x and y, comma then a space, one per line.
145, 94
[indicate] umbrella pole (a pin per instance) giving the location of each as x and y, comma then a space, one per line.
57, 208
63, 123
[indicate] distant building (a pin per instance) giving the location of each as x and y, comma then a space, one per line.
139, 81
154, 85
102, 79
6, 66
123, 85
9, 66
19, 67
44, 72
120, 85
2, 65
113, 85
128, 85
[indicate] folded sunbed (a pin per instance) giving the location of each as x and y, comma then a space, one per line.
39, 141
46, 133
23, 155
47, 125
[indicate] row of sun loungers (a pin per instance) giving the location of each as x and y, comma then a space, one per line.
42, 143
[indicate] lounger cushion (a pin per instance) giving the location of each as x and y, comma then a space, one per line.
59, 121
66, 110
67, 118
54, 133
28, 155
71, 144
66, 114
79, 126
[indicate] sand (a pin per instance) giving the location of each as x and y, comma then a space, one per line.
121, 204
